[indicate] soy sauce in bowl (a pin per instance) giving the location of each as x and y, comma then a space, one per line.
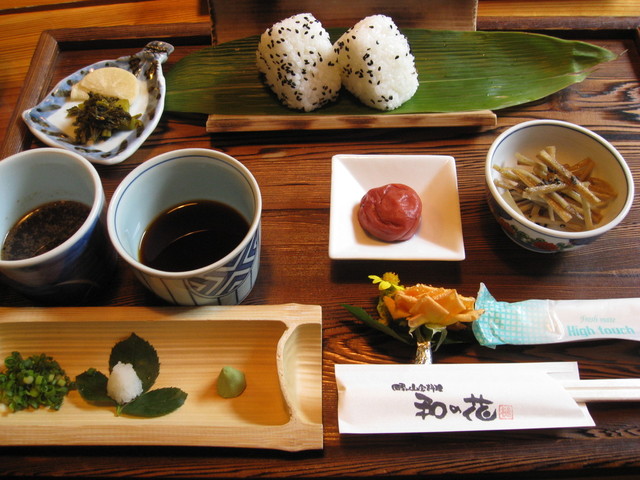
44, 228
192, 235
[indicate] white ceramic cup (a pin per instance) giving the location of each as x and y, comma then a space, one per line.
79, 269
179, 177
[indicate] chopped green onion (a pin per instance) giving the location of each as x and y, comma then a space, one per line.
37, 381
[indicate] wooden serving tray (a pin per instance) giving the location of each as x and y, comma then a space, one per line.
278, 347
216, 123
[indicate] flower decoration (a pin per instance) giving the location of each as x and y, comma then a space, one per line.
418, 315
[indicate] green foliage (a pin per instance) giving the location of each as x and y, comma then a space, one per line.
365, 318
136, 351
139, 353
92, 386
155, 403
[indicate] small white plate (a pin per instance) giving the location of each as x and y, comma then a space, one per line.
48, 120
434, 179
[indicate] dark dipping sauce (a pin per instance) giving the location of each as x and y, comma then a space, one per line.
43, 229
192, 235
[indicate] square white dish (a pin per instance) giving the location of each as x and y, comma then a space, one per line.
434, 179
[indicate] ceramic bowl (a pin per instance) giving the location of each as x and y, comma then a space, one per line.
175, 178
573, 144
79, 269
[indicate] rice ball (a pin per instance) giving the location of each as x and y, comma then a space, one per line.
298, 62
376, 63
124, 385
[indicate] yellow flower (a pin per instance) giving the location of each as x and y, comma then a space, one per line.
388, 281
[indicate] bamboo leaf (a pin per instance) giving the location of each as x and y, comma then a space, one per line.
458, 71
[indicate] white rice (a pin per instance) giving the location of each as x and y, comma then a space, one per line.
124, 385
297, 58
376, 63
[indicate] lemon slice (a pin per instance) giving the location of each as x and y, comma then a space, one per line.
107, 81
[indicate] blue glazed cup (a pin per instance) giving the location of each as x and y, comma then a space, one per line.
78, 270
176, 178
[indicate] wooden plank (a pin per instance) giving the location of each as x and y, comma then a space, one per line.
38, 78
242, 18
18, 5
259, 123
280, 408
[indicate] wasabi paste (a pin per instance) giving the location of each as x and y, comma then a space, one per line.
231, 382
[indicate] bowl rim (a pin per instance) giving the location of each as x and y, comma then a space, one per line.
549, 231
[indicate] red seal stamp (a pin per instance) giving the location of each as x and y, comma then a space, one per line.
505, 412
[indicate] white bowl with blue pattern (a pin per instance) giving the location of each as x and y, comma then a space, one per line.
573, 142
48, 120
176, 178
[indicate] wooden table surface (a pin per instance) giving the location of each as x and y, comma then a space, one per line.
293, 169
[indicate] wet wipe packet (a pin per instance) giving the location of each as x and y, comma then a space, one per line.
533, 322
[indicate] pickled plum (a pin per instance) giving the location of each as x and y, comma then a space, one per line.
391, 212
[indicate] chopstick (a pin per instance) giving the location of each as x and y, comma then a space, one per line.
604, 390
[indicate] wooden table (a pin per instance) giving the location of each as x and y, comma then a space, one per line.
293, 169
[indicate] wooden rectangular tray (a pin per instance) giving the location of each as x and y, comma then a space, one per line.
278, 347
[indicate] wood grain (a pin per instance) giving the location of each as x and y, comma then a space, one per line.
277, 347
254, 17
293, 170
217, 123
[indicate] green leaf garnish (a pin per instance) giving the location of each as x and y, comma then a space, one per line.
92, 386
139, 353
364, 317
155, 403
136, 351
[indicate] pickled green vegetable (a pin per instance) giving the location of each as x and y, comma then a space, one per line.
99, 117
